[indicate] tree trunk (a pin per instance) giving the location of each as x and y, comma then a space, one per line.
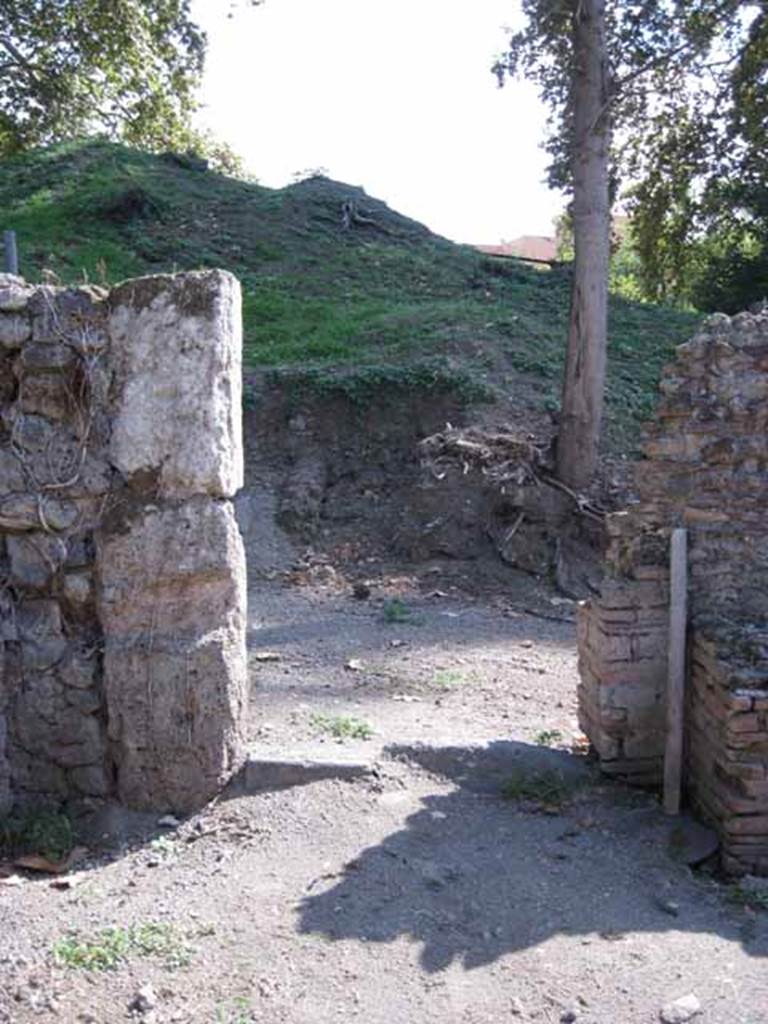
582, 403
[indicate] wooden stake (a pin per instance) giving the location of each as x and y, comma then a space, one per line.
678, 619
11, 254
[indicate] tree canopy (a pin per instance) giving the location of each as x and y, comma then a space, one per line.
129, 69
688, 97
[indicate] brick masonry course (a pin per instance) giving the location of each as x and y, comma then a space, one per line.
705, 467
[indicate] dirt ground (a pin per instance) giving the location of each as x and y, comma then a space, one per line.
417, 893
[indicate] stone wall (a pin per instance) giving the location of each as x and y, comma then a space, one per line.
705, 468
122, 572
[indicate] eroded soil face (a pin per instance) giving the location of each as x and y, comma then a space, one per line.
481, 873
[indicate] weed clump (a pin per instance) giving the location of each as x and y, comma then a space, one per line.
448, 678
548, 788
44, 832
548, 737
342, 727
743, 895
395, 610
111, 947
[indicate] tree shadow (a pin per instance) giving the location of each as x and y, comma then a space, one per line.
472, 876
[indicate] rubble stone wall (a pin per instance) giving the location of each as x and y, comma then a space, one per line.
705, 468
122, 572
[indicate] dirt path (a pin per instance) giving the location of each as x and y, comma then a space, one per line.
442, 668
417, 894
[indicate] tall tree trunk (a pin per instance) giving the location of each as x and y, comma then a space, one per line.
582, 403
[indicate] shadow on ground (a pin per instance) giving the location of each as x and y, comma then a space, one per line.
472, 876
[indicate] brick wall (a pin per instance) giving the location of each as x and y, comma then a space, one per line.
705, 467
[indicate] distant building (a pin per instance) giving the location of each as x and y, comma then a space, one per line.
543, 249
539, 248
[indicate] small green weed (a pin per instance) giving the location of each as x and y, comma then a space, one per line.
396, 610
548, 788
239, 1011
445, 680
342, 727
103, 953
548, 737
48, 833
164, 847
111, 947
744, 896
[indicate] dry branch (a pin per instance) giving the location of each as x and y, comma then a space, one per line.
503, 459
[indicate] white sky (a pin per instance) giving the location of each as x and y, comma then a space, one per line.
393, 95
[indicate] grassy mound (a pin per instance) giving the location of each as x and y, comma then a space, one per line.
381, 298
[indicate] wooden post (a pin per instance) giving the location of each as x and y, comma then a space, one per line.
678, 619
11, 254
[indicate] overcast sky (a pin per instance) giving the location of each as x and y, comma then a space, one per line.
395, 96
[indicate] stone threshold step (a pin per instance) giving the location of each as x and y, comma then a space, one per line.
264, 772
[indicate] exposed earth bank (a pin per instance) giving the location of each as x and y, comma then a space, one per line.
360, 479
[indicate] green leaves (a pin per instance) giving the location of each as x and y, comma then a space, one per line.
689, 105
125, 68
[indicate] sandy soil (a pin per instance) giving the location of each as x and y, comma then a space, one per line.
418, 893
